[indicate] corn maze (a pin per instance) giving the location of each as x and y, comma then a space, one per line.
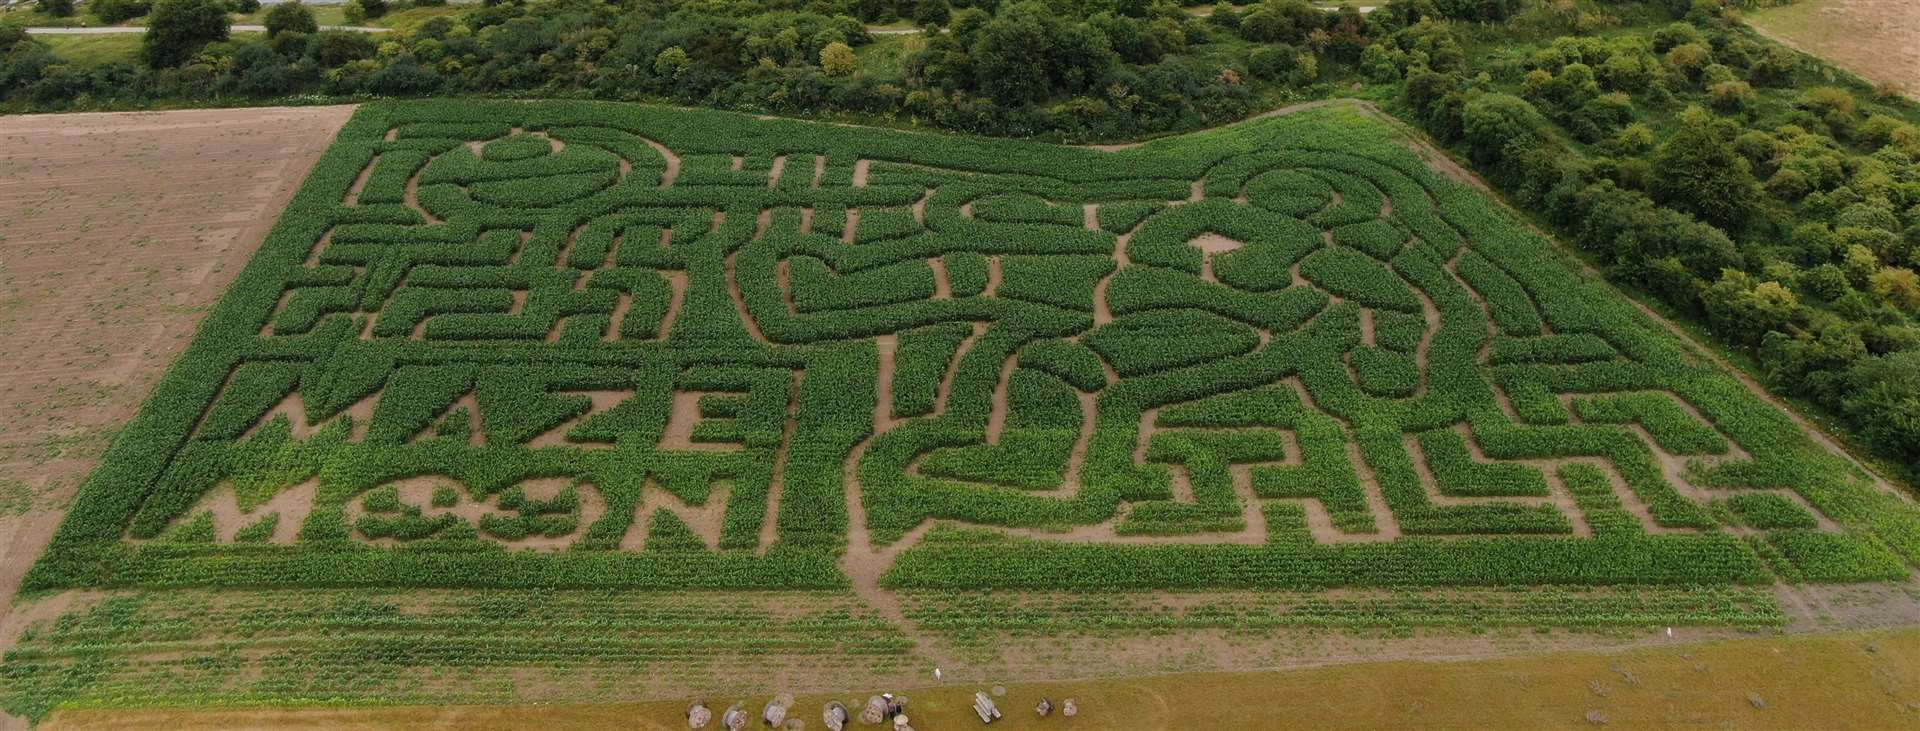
592, 345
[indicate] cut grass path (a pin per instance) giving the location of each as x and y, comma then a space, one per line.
1862, 680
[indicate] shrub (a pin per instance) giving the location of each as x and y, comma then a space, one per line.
113, 12
179, 28
837, 59
290, 17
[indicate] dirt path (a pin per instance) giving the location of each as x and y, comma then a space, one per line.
134, 29
862, 561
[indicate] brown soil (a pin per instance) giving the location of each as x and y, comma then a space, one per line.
770, 523
680, 423
739, 301
418, 491
849, 234
773, 173
598, 401
468, 405
1211, 246
292, 505
117, 231
673, 162
705, 519
1877, 39
677, 284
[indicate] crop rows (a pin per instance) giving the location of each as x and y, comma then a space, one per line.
398, 646
595, 345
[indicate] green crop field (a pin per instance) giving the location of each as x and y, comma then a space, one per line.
614, 348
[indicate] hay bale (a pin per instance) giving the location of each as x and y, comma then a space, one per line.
834, 716
698, 715
1068, 708
735, 719
875, 712
1044, 707
775, 712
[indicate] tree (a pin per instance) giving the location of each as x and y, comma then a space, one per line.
1699, 172
1028, 53
244, 6
1496, 123
671, 62
1884, 398
290, 16
1897, 286
931, 13
1748, 310
57, 8
837, 59
114, 11
179, 28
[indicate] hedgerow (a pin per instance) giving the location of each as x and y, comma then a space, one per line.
521, 292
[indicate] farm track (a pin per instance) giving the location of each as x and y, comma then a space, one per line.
1856, 680
138, 30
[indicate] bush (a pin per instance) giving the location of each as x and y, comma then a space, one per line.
1697, 171
836, 59
290, 17
179, 28
114, 12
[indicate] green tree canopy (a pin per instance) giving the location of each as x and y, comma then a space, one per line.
179, 28
290, 16
1698, 171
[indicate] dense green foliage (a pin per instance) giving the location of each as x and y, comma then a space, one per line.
578, 344
1724, 174
179, 28
1729, 176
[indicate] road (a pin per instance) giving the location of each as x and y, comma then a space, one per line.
1202, 12
120, 29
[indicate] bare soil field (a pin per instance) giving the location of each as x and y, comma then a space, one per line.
1877, 39
1844, 681
117, 233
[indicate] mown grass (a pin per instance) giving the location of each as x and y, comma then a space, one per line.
1854, 680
